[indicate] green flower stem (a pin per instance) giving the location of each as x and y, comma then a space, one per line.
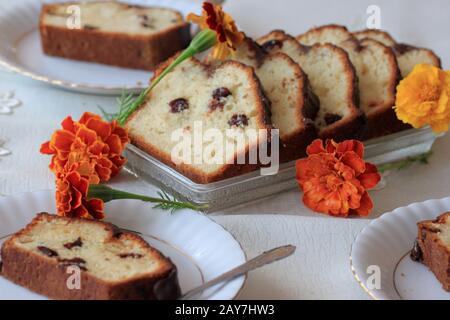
203, 41
108, 194
405, 163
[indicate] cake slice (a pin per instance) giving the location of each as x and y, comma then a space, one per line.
112, 33
407, 56
294, 106
378, 72
333, 80
112, 264
204, 120
433, 247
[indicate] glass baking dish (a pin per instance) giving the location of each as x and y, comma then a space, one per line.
253, 186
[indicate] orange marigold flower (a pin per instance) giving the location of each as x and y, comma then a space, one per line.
335, 178
71, 194
214, 18
90, 140
423, 98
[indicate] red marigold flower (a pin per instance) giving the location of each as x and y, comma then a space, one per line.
227, 34
90, 140
335, 178
71, 194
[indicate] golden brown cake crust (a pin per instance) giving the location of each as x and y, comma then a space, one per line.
432, 251
399, 48
383, 120
128, 51
44, 275
227, 170
352, 126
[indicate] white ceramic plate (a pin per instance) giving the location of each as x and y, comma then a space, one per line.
383, 248
200, 248
20, 51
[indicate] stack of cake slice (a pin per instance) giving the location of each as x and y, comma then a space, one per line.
407, 55
326, 83
294, 106
380, 63
332, 79
378, 74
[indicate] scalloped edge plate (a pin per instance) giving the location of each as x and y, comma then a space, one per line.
382, 248
200, 248
20, 52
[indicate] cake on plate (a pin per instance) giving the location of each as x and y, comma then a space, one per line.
112, 264
112, 33
432, 247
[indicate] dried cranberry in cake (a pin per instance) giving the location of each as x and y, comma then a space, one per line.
178, 105
238, 120
272, 44
78, 262
416, 253
71, 245
221, 93
331, 118
219, 99
47, 251
130, 255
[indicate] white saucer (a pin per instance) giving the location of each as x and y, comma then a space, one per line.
20, 51
383, 248
200, 248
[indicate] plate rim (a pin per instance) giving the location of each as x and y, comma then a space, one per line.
245, 276
63, 84
395, 211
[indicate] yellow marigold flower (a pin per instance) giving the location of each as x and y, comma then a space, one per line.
227, 34
423, 98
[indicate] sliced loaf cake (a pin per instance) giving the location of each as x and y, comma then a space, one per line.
73, 258
432, 247
113, 33
333, 80
408, 56
204, 120
294, 106
378, 72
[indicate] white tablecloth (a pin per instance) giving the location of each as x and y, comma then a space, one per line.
320, 268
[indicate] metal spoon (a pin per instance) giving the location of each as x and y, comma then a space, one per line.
261, 260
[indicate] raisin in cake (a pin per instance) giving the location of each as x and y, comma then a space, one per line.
112, 264
293, 104
332, 79
408, 56
433, 247
204, 120
378, 74
112, 33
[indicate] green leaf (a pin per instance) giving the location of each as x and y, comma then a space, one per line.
164, 202
203, 41
405, 163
